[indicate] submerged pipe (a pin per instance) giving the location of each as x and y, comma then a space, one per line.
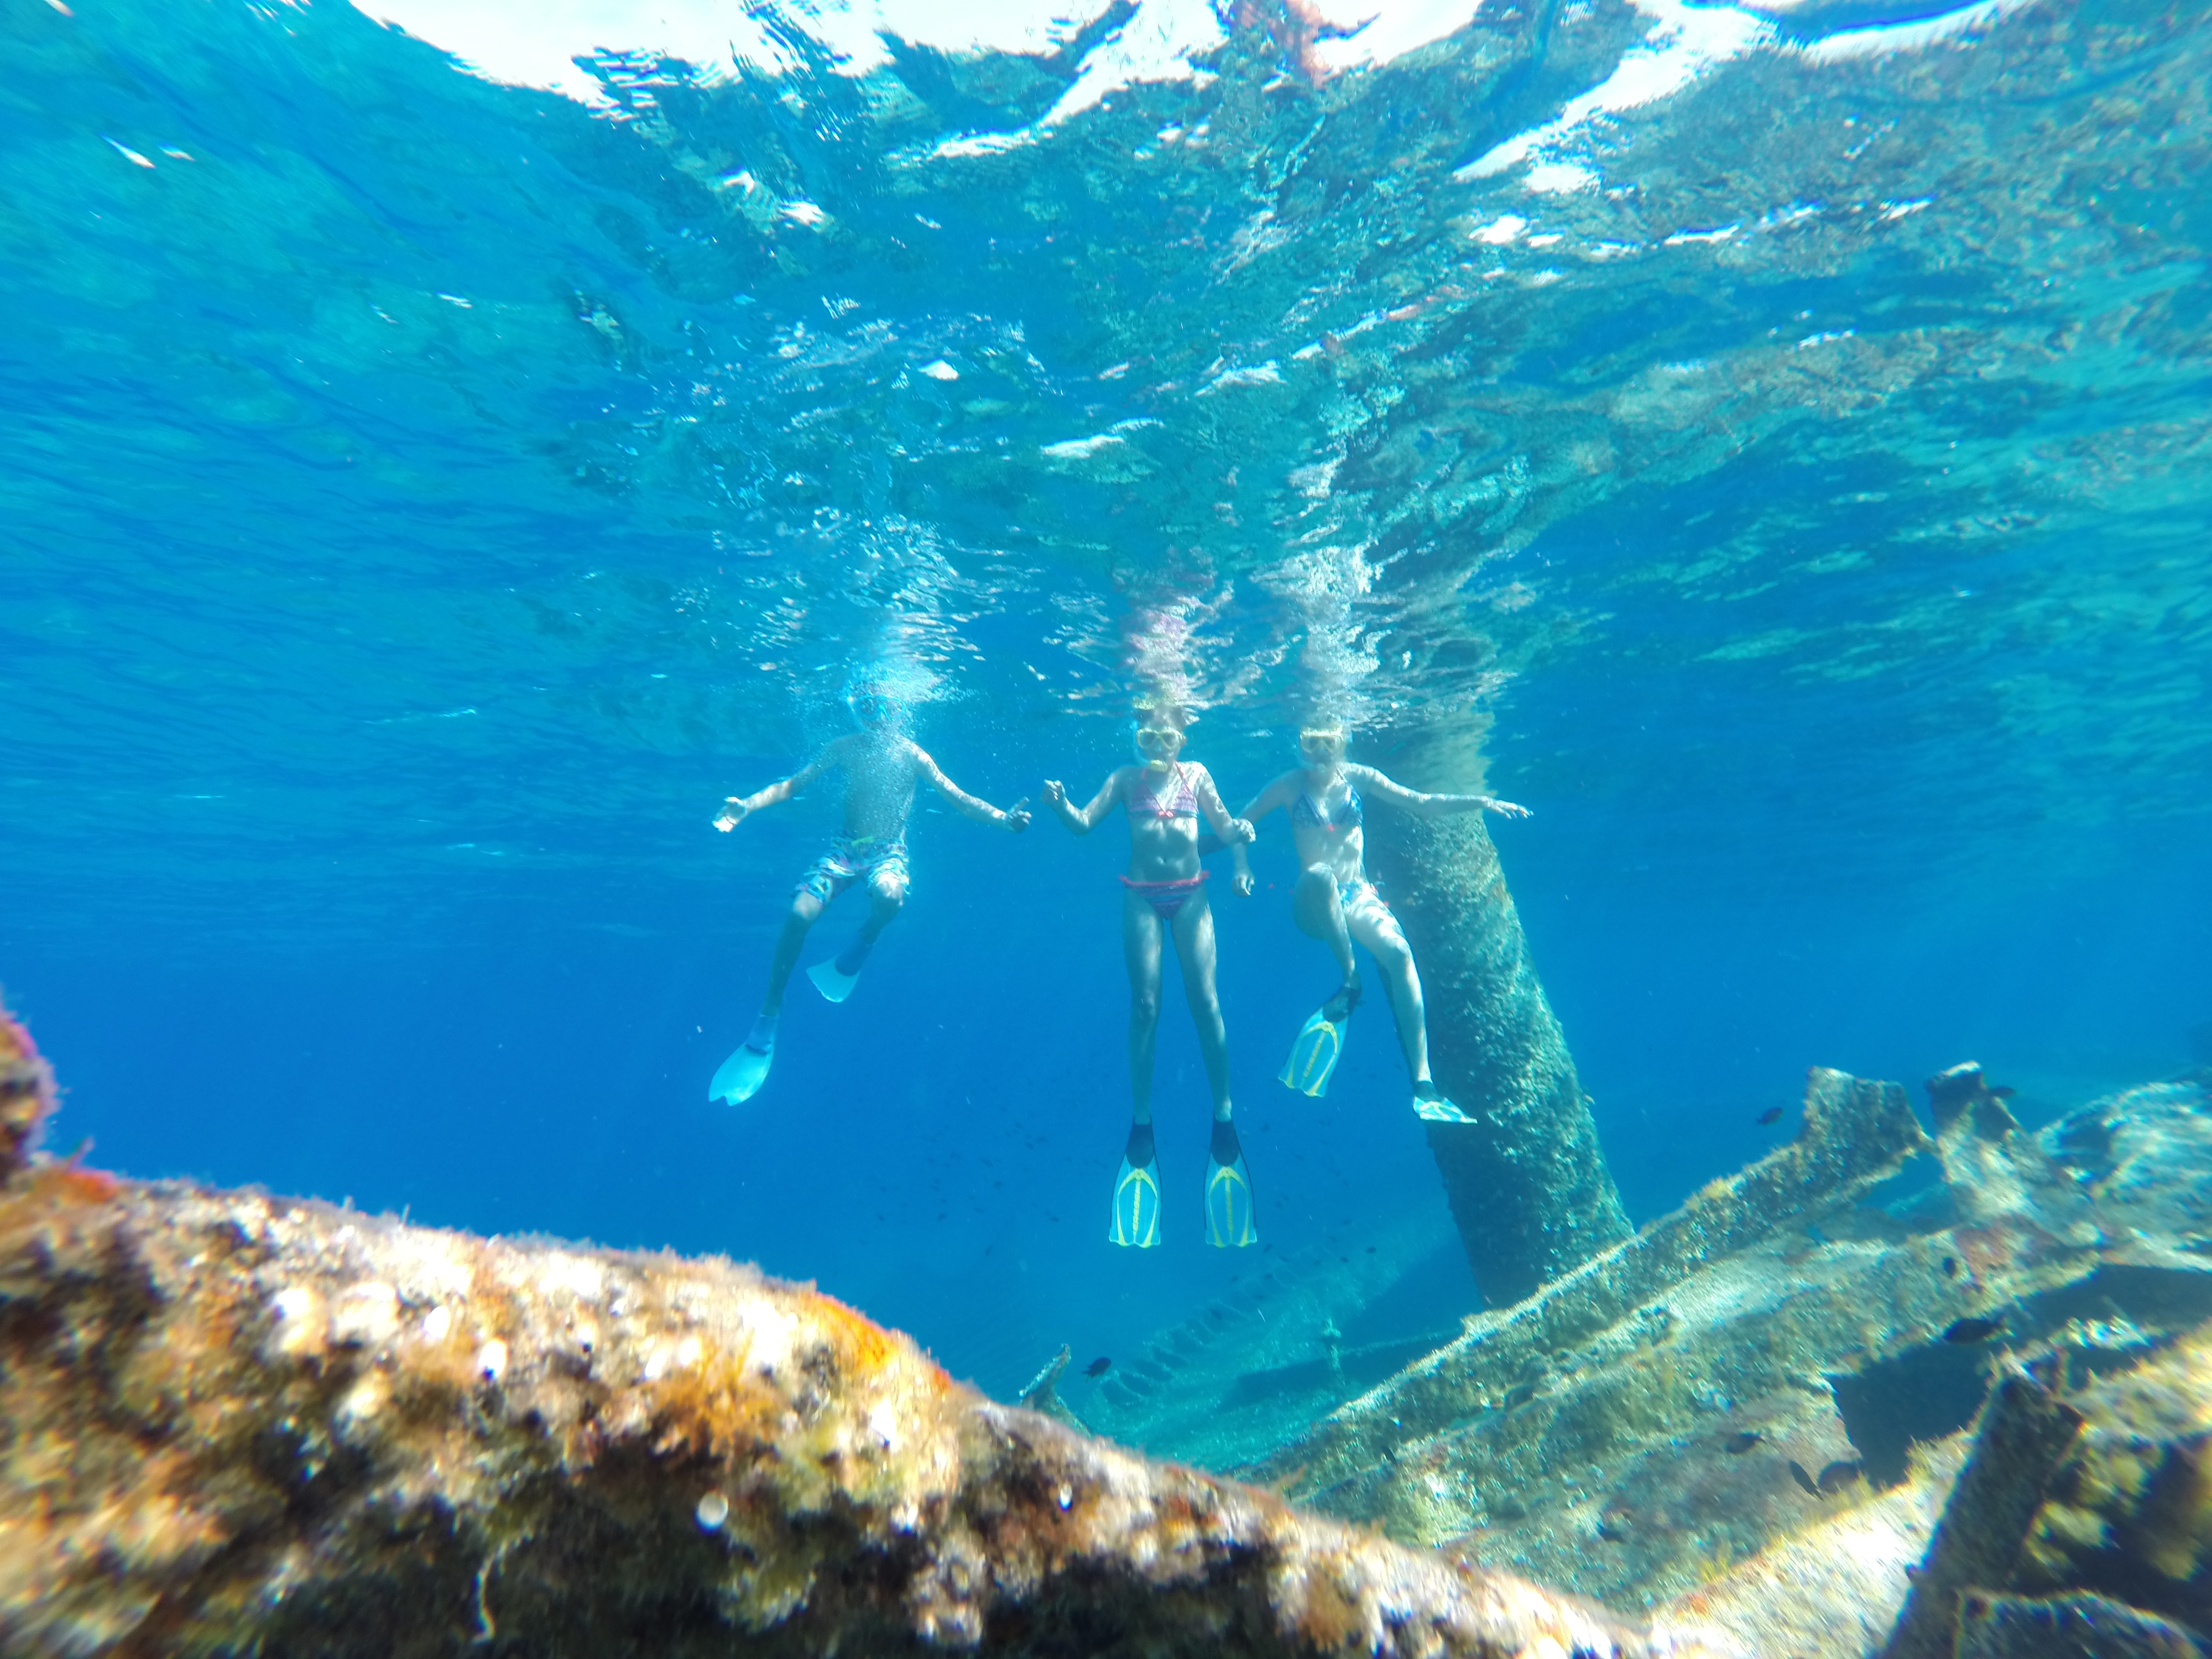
1527, 1179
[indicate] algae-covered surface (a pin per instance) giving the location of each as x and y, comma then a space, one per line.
1771, 1423
231, 1422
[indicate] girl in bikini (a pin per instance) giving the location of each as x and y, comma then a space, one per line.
1336, 903
1164, 896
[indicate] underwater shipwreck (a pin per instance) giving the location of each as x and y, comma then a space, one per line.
1901, 1387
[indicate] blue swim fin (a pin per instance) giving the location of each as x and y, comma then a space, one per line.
1314, 1053
1431, 1106
1137, 1193
742, 1074
832, 983
837, 978
1229, 1218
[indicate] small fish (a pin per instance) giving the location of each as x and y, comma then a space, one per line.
1972, 1330
1737, 1444
1950, 1267
1616, 1523
1838, 1474
1772, 1114
2003, 1090
1099, 1367
1797, 1473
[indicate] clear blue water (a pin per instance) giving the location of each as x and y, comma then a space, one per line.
425, 498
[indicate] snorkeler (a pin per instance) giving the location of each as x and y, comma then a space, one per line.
1165, 896
1336, 903
881, 765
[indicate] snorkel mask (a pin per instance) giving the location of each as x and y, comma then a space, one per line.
1322, 746
1156, 743
874, 708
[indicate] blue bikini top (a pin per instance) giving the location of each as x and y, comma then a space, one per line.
1306, 811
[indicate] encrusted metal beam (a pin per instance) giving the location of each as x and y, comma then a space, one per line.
1527, 1179
1854, 1133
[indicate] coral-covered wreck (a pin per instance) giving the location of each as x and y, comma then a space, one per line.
1777, 1421
230, 1423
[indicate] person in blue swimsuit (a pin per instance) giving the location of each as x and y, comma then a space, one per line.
1164, 897
882, 766
1336, 903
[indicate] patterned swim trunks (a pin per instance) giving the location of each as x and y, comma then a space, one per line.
871, 858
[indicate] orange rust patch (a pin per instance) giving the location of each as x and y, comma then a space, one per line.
84, 1185
715, 1407
862, 1346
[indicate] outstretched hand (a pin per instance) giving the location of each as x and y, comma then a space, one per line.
1018, 816
732, 814
1504, 809
1243, 884
1055, 792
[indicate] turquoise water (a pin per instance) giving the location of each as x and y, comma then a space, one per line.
1773, 447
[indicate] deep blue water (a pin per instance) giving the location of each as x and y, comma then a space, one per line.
424, 498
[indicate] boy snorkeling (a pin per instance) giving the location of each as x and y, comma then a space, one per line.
1164, 896
882, 765
1336, 903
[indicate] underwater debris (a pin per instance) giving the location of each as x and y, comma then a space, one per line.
1855, 1134
2024, 1433
1041, 1393
1637, 1376
241, 1424
2128, 1513
2108, 1527
2000, 1176
2076, 1626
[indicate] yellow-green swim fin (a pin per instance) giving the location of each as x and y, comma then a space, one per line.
1229, 1219
1320, 1040
1137, 1193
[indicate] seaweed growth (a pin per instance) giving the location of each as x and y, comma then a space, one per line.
26, 1095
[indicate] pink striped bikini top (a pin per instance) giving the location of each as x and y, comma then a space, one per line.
1182, 803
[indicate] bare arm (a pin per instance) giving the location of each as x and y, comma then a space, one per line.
1015, 817
1391, 794
1280, 794
737, 808
1085, 820
1234, 832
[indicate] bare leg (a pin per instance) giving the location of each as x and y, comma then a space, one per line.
1140, 949
1319, 913
805, 909
1194, 938
1402, 980
886, 896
